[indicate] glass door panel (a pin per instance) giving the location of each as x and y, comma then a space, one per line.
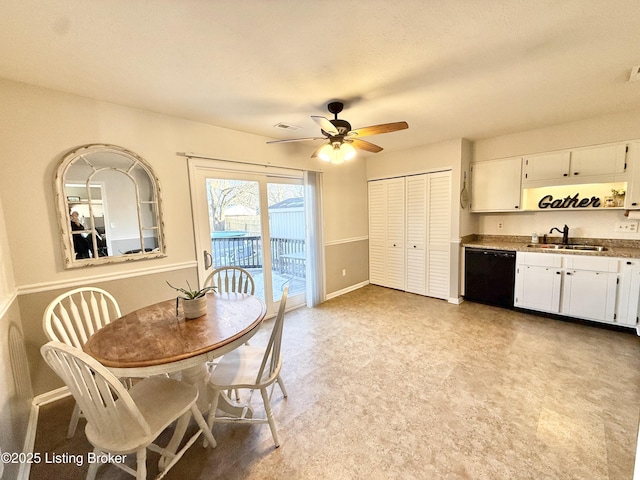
254, 221
287, 238
235, 226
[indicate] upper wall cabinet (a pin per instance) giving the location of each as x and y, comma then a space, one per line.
582, 165
632, 198
495, 185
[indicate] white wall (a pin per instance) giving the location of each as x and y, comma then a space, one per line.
605, 129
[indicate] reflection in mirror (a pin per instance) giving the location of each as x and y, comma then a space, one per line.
109, 206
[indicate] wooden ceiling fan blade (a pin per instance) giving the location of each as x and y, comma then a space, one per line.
377, 129
363, 145
296, 140
325, 125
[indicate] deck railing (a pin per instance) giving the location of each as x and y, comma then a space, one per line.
287, 254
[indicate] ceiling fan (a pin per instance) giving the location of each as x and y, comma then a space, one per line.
343, 141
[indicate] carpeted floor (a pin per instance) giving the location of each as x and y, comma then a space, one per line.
388, 385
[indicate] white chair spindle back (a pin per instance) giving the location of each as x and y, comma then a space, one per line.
231, 279
272, 355
103, 400
76, 315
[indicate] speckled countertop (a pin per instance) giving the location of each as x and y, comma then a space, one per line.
614, 248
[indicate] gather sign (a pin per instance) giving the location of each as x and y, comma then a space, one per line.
569, 202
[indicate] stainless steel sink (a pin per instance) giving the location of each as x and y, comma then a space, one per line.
555, 246
591, 248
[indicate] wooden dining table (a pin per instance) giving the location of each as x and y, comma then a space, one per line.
157, 339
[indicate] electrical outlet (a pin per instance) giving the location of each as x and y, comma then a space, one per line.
344, 272
500, 225
626, 227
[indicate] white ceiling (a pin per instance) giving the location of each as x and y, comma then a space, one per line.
459, 68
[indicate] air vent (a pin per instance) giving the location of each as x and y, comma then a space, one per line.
635, 74
286, 126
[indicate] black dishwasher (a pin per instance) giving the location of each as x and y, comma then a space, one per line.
489, 276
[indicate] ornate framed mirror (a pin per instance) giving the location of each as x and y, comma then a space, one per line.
109, 207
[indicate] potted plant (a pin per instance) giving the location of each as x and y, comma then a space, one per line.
618, 196
194, 302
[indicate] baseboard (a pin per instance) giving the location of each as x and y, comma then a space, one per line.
346, 290
456, 301
29, 441
32, 426
52, 396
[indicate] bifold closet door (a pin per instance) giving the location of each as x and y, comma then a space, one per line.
387, 233
438, 234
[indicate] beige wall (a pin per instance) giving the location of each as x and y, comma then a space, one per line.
39, 125
605, 129
352, 257
15, 385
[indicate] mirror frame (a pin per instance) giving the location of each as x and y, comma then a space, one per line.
62, 204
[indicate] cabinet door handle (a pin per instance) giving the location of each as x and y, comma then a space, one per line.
558, 273
576, 173
565, 174
568, 273
634, 204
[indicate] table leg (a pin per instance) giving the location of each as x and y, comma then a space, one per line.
199, 377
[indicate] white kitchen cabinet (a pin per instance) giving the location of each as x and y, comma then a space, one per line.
599, 160
579, 286
632, 198
538, 281
413, 213
589, 295
576, 165
387, 233
546, 166
629, 292
495, 185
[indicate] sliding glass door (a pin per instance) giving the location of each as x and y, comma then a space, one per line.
252, 221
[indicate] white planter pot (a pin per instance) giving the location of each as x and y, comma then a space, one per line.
194, 308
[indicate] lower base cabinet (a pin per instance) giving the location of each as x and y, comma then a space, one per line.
603, 289
538, 282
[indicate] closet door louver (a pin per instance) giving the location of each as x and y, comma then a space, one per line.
386, 233
416, 234
438, 235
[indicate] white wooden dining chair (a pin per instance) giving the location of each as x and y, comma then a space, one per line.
121, 421
253, 368
231, 279
74, 316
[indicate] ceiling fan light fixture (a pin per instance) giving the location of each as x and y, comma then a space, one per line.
336, 152
348, 151
326, 153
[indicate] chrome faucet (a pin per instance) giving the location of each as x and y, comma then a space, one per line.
564, 232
